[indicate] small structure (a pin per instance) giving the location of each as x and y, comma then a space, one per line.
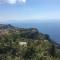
23, 43
45, 40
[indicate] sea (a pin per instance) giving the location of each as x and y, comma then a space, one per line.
50, 28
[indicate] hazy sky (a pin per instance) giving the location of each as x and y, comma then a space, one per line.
20, 10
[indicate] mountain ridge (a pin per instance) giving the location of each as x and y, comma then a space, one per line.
14, 41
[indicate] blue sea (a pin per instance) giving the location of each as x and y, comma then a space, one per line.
50, 28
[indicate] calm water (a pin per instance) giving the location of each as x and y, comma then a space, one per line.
51, 28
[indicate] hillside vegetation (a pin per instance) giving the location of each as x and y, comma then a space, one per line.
26, 44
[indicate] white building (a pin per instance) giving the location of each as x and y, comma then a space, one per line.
23, 43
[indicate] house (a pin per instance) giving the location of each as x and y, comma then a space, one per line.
23, 43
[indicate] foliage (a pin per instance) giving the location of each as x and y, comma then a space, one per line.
38, 45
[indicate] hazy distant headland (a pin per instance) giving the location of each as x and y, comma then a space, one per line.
51, 28
45, 26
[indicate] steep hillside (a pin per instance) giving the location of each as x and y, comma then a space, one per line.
26, 44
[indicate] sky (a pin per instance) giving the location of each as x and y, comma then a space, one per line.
28, 10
